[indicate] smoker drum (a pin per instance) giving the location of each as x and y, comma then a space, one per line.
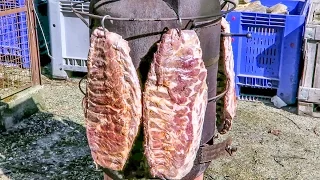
143, 36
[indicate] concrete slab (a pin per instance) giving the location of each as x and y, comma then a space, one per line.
19, 106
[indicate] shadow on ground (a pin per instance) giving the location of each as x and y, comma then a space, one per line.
289, 108
45, 146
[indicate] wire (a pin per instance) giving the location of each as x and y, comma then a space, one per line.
42, 32
80, 85
218, 97
79, 13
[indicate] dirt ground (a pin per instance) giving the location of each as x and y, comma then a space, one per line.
272, 143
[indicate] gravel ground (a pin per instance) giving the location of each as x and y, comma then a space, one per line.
272, 143
51, 144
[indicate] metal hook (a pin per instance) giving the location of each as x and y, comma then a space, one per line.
179, 24
103, 19
165, 29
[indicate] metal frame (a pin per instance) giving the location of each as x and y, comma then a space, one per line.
33, 44
34, 69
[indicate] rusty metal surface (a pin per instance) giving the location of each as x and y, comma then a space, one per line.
143, 36
33, 44
12, 11
14, 77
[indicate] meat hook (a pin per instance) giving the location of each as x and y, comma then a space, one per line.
166, 29
179, 25
103, 19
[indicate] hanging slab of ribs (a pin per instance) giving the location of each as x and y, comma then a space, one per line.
226, 108
113, 105
174, 105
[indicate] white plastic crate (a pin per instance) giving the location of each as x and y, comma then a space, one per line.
69, 38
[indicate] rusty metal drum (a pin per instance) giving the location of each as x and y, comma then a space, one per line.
143, 36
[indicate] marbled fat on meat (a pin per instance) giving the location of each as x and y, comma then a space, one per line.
174, 104
228, 106
114, 108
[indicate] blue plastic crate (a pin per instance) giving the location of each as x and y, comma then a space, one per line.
24, 41
14, 34
268, 63
8, 35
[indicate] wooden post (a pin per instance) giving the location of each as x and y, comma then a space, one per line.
33, 44
309, 88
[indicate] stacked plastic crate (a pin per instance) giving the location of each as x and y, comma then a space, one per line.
14, 33
268, 64
69, 38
